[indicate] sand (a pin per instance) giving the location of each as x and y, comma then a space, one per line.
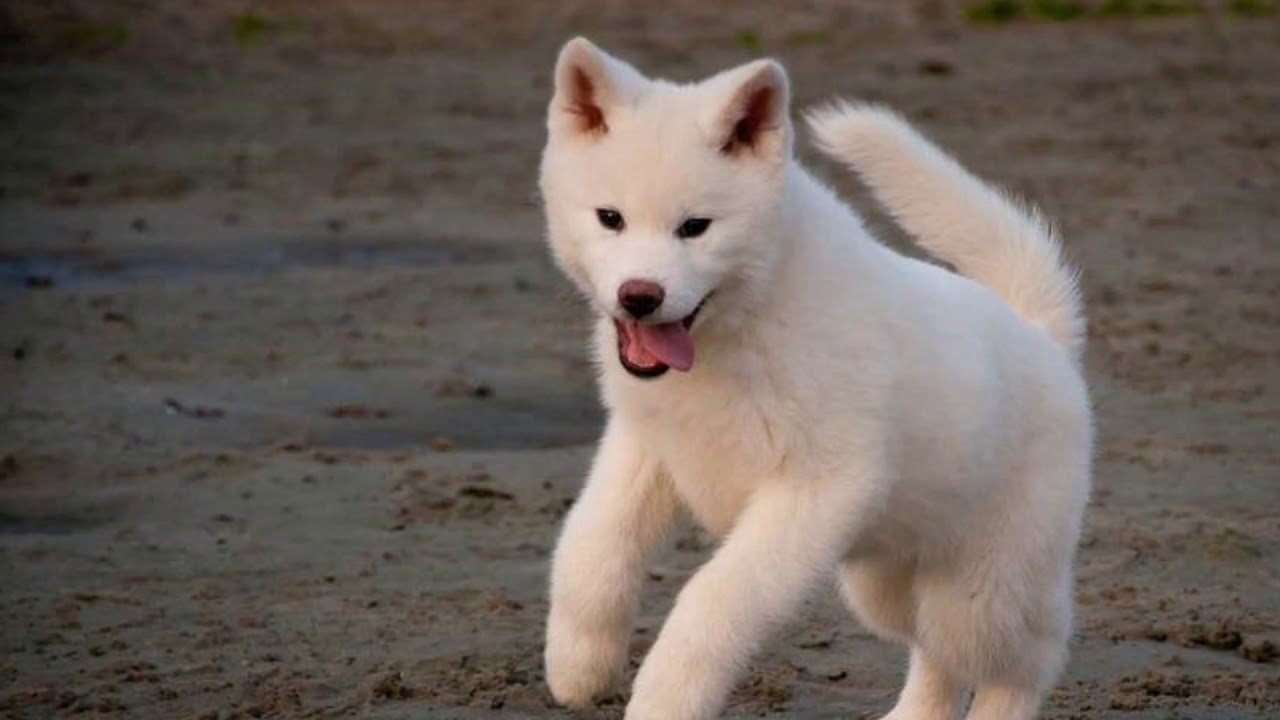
293, 400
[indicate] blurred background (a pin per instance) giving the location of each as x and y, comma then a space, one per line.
292, 400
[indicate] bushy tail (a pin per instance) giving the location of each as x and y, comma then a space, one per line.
987, 236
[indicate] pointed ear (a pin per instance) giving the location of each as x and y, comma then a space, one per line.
590, 86
751, 112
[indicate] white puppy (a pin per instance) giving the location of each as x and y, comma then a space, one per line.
837, 410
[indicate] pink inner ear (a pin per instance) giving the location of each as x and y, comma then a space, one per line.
756, 112
583, 104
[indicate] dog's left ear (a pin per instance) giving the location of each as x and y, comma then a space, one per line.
750, 111
591, 85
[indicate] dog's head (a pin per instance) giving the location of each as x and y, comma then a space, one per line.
662, 199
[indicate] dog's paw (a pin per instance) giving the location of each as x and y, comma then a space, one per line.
581, 668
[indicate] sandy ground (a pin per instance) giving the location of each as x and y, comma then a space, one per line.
293, 401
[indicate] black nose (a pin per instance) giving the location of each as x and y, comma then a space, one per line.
640, 297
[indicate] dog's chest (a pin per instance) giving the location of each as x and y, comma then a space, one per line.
717, 448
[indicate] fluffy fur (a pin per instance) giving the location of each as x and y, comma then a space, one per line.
920, 436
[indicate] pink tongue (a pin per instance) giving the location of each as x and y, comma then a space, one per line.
669, 342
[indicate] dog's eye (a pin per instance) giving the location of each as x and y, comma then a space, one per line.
610, 218
693, 227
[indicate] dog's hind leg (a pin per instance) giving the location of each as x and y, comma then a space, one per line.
879, 593
930, 693
1004, 702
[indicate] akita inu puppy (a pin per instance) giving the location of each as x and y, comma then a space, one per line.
826, 406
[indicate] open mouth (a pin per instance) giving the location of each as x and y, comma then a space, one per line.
647, 350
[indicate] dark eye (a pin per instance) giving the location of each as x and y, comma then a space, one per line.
610, 218
693, 227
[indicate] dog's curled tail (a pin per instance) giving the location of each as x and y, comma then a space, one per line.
987, 236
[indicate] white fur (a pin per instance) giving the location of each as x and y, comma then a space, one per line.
852, 414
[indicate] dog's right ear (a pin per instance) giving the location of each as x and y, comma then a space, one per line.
750, 110
590, 86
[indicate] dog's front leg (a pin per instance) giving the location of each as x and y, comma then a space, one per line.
619, 518
787, 539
